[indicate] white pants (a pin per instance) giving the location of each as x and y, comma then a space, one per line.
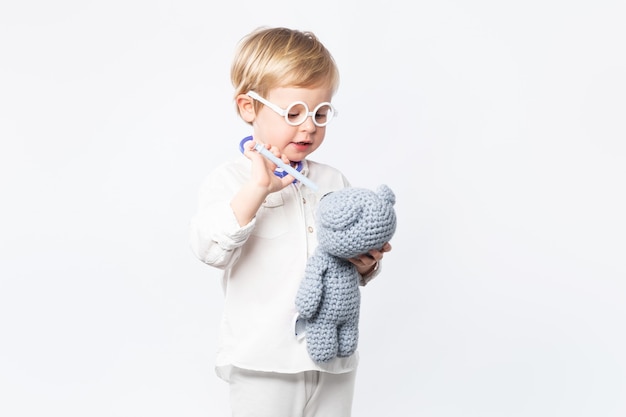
305, 394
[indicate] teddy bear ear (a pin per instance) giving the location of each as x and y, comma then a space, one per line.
386, 194
340, 214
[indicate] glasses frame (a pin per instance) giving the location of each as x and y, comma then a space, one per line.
285, 112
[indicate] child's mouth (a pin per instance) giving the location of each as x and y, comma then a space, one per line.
301, 145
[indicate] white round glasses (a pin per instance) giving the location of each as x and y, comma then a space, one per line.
297, 112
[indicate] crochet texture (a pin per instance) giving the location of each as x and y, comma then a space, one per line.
350, 222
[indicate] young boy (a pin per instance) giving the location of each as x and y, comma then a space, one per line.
258, 227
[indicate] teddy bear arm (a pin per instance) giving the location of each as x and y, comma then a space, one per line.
310, 291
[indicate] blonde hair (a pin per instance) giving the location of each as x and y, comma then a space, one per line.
268, 58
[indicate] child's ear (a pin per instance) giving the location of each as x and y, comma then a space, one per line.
245, 104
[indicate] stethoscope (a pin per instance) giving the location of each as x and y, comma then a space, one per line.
279, 172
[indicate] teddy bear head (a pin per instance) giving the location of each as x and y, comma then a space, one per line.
353, 221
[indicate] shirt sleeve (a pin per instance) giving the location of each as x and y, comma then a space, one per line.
365, 279
215, 235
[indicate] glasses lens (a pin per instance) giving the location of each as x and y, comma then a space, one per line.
296, 113
323, 114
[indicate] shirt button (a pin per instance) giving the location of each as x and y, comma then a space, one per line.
303, 200
310, 229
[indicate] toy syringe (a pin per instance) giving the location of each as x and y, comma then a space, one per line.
290, 170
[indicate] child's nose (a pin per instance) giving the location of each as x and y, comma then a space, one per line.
308, 124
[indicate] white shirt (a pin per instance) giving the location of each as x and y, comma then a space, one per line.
263, 264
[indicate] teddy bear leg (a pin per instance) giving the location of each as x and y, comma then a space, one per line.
348, 339
322, 341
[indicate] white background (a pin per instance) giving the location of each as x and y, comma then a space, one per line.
499, 125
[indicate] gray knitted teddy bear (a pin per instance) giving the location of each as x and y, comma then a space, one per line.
350, 222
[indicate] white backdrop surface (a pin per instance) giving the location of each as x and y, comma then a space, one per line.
499, 125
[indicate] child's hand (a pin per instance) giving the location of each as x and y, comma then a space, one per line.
367, 263
263, 168
250, 197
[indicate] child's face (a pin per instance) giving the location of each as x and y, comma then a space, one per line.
295, 142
